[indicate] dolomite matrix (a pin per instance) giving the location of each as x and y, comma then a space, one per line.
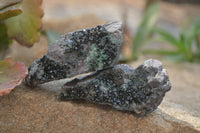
97, 50
77, 53
140, 90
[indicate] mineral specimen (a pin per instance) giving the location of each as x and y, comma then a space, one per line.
77, 53
140, 90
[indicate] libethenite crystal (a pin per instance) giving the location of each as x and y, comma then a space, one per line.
77, 53
97, 50
140, 90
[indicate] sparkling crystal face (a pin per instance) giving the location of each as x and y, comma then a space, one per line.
97, 49
78, 52
140, 90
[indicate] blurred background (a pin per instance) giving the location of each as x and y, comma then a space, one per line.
144, 30
167, 30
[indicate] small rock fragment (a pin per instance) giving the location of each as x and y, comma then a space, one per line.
77, 53
140, 90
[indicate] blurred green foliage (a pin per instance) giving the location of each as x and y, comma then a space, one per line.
187, 46
145, 28
51, 35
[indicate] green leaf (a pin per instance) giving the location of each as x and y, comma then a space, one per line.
9, 12
193, 31
4, 41
166, 37
8, 3
198, 44
52, 36
184, 44
188, 37
11, 75
145, 28
25, 28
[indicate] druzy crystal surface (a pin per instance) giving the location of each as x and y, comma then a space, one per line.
78, 52
140, 90
97, 50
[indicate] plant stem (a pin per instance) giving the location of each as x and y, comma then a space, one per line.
2, 54
198, 44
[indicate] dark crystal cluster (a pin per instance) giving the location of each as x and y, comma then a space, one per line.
97, 49
78, 52
86, 36
49, 70
100, 50
140, 90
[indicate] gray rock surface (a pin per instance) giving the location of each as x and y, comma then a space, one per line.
77, 53
140, 90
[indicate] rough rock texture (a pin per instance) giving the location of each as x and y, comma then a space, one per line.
140, 90
27, 110
78, 52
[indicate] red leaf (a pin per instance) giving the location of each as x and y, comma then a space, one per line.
11, 75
